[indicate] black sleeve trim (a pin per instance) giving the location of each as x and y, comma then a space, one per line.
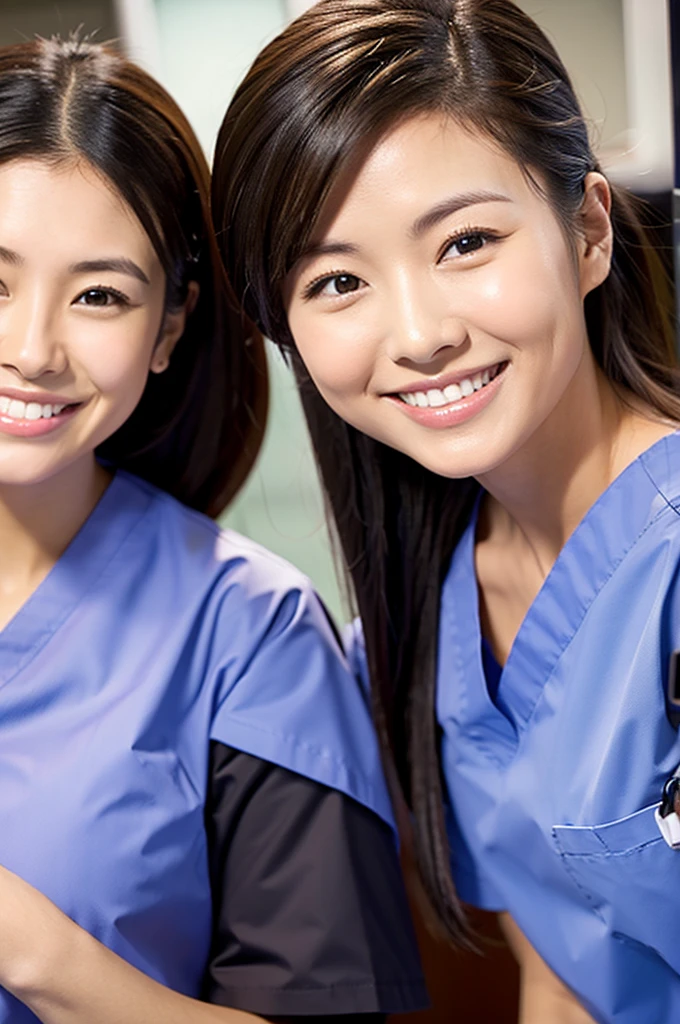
310, 913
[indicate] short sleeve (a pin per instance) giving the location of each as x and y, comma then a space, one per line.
283, 689
310, 913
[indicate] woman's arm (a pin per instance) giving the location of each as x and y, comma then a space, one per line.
66, 977
310, 915
543, 997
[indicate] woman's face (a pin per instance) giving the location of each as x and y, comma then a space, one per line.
81, 312
439, 307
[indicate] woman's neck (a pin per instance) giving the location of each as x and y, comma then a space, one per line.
38, 521
542, 492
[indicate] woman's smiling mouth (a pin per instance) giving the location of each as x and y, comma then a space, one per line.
33, 416
462, 387
453, 402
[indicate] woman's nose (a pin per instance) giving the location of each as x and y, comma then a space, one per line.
421, 325
29, 343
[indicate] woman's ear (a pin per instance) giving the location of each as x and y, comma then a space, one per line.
596, 237
172, 330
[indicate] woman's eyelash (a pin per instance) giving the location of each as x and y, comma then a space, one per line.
120, 297
469, 232
316, 286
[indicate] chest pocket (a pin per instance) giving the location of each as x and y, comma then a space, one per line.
629, 875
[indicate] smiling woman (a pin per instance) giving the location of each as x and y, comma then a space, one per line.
394, 350
93, 323
482, 339
194, 826
59, 104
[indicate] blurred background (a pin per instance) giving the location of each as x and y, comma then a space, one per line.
619, 55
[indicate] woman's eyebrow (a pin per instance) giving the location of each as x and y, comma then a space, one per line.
452, 205
11, 257
419, 227
119, 265
329, 248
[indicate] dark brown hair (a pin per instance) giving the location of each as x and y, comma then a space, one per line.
338, 77
198, 426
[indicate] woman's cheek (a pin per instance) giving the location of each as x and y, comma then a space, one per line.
116, 355
518, 303
506, 302
341, 358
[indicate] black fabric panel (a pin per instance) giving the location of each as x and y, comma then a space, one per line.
310, 913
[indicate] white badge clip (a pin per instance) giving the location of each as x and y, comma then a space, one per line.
669, 828
666, 814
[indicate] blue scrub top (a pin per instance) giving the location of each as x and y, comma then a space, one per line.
153, 634
552, 786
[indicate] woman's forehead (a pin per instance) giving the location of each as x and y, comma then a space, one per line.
417, 160
68, 210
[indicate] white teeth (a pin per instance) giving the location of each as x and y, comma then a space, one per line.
434, 398
453, 393
18, 410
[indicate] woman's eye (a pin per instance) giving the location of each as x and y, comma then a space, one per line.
100, 298
344, 283
334, 285
464, 245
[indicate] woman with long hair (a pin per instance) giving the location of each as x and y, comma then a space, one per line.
408, 203
193, 821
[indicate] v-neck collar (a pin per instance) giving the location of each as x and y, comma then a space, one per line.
85, 558
590, 556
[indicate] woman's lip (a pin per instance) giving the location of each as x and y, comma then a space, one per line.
445, 379
41, 397
35, 428
441, 417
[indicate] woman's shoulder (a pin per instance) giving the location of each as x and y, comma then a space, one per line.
199, 546
660, 464
262, 647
